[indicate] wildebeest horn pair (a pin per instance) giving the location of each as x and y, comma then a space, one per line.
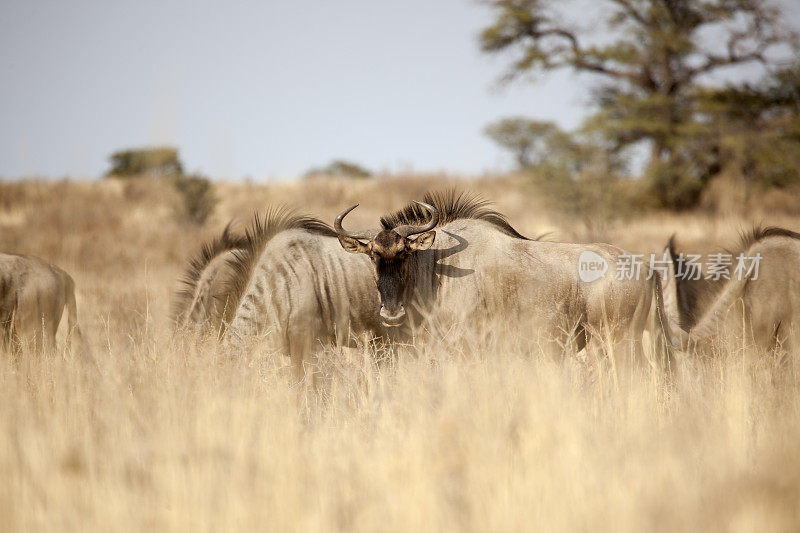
405, 230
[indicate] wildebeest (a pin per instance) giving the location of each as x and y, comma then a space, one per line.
203, 303
33, 296
764, 305
452, 254
293, 283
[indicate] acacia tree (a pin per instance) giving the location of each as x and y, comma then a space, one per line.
651, 62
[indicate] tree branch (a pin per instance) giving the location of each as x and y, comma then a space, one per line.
733, 57
631, 11
762, 28
579, 59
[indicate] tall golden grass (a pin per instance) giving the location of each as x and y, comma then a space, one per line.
156, 432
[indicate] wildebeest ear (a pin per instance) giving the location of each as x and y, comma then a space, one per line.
424, 241
354, 246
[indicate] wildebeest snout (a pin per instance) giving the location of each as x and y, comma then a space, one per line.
393, 317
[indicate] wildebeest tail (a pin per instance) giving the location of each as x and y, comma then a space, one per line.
661, 328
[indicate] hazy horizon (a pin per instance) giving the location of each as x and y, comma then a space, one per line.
259, 90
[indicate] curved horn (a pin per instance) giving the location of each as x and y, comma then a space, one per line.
337, 225
408, 230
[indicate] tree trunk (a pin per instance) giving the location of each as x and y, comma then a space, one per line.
656, 153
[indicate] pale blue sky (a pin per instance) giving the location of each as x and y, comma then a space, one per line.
261, 89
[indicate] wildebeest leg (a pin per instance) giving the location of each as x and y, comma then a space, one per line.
604, 344
302, 337
8, 306
629, 353
74, 331
38, 314
49, 335
617, 347
579, 336
299, 351
52, 319
792, 346
9, 341
600, 358
27, 326
785, 349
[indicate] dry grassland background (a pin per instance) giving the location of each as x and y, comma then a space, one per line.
460, 433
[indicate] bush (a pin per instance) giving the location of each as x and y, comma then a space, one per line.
155, 162
199, 200
594, 198
339, 168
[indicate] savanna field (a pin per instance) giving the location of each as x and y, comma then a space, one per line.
154, 431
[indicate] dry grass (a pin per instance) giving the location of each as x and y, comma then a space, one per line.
457, 433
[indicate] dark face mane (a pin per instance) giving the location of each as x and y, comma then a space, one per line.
393, 256
390, 256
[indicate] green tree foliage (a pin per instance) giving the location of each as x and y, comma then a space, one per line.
529, 140
652, 62
145, 162
339, 168
756, 129
538, 144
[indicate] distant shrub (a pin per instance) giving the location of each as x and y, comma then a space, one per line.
339, 168
530, 141
154, 162
199, 200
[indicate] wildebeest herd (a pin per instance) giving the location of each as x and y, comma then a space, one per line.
300, 283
